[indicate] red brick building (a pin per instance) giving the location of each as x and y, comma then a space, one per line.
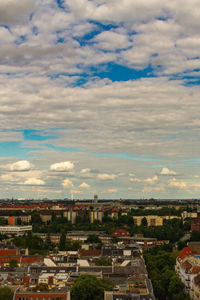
121, 232
25, 260
50, 295
196, 225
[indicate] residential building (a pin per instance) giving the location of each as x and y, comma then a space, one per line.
153, 220
96, 215
71, 216
195, 226
15, 230
188, 215
50, 295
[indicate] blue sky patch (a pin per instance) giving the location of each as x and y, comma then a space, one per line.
36, 135
35, 30
61, 3
64, 149
126, 156
117, 72
14, 149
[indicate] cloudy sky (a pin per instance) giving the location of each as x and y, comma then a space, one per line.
101, 97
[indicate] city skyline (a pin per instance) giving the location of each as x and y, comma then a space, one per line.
99, 97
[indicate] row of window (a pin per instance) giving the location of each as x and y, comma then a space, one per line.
37, 298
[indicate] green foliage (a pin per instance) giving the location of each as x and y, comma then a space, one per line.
171, 230
13, 263
35, 218
48, 243
144, 222
6, 293
186, 226
62, 244
195, 236
165, 211
19, 222
93, 239
3, 221
167, 285
72, 246
104, 261
115, 239
87, 287
34, 243
181, 244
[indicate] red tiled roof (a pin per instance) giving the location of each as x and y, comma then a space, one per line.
92, 252
20, 259
197, 280
195, 270
115, 210
184, 252
187, 266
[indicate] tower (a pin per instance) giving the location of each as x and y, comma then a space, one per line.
95, 198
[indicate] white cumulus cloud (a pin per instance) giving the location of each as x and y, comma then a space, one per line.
166, 171
85, 171
135, 180
67, 183
84, 185
65, 166
178, 183
151, 180
19, 166
34, 181
106, 176
131, 174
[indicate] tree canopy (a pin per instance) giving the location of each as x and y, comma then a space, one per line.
167, 285
88, 287
6, 293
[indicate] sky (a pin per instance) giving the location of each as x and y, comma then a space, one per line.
99, 97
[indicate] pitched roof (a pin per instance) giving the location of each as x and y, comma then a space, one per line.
187, 266
195, 270
184, 252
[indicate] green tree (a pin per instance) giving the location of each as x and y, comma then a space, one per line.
6, 293
35, 218
19, 221
3, 221
181, 245
48, 245
175, 286
195, 236
104, 261
13, 263
62, 244
93, 239
88, 287
144, 222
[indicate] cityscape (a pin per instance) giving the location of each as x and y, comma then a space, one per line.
99, 150
99, 249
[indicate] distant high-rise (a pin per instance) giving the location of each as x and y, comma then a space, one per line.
95, 198
96, 215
